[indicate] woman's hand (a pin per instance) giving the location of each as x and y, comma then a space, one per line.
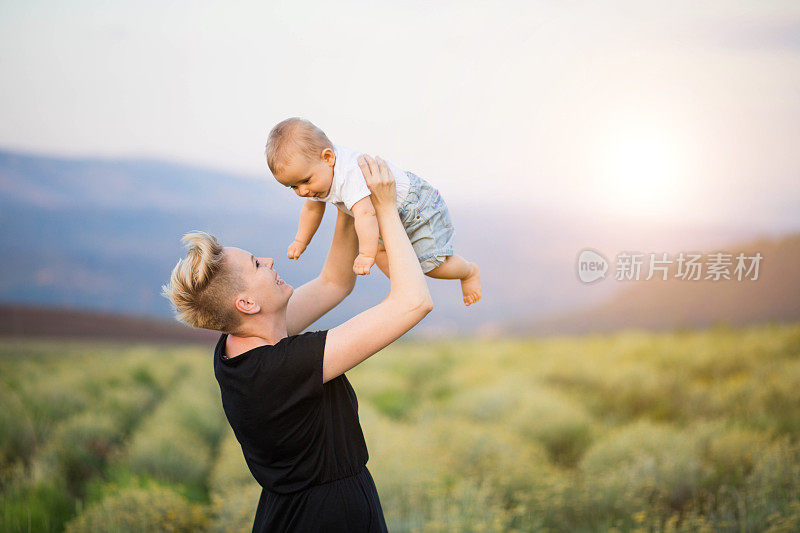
379, 180
408, 301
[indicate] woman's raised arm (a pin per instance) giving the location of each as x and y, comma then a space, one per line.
408, 301
336, 280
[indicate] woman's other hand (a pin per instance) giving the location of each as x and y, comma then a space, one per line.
379, 180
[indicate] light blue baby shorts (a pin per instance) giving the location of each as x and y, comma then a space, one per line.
427, 222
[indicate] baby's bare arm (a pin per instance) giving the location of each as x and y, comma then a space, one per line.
315, 298
310, 218
366, 227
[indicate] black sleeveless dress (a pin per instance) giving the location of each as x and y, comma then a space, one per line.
301, 438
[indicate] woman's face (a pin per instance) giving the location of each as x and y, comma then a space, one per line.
261, 281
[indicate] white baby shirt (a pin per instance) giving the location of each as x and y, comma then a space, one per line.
349, 186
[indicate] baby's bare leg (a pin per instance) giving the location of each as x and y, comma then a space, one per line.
382, 260
456, 267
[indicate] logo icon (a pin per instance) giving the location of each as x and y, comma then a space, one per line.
592, 266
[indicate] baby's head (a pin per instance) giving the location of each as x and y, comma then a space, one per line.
301, 156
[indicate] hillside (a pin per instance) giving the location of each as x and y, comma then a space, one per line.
40, 322
103, 234
676, 303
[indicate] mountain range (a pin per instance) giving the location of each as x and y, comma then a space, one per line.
103, 234
767, 292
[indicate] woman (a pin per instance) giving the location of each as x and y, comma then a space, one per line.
285, 394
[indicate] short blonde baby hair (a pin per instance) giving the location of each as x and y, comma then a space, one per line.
203, 286
294, 134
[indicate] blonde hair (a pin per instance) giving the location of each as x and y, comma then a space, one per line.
294, 133
203, 285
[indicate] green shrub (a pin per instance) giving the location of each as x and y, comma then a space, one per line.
732, 453
687, 431
144, 375
169, 453
776, 472
235, 512
394, 403
230, 469
234, 492
467, 507
489, 403
17, 434
196, 407
127, 403
404, 466
641, 464
78, 449
562, 425
51, 401
636, 390
767, 500
141, 510
42, 506
174, 443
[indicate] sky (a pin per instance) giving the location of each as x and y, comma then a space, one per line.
681, 110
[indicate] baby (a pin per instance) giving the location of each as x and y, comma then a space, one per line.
302, 158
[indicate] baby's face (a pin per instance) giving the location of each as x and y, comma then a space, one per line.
309, 178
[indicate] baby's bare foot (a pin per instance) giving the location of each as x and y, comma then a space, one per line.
471, 285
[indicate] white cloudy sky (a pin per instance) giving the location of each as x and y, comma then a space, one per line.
681, 109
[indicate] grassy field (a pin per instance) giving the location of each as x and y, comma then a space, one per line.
685, 431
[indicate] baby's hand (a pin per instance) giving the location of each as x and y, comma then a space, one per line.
295, 250
362, 264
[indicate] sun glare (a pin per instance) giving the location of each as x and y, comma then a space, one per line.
642, 172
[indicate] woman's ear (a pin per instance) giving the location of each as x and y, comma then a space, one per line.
329, 157
247, 305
